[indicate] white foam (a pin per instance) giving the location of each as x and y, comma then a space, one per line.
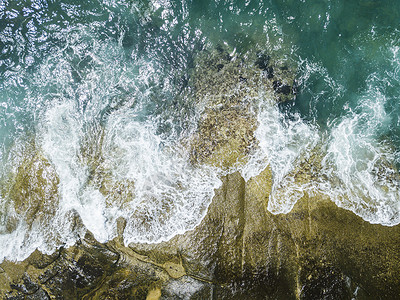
363, 165
171, 196
13, 246
61, 143
357, 169
284, 142
61, 140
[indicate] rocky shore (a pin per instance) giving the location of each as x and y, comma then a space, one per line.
239, 250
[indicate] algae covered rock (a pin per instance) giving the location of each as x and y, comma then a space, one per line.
229, 88
317, 251
225, 136
30, 191
35, 190
240, 250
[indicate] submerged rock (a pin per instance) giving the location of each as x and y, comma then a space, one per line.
262, 61
229, 89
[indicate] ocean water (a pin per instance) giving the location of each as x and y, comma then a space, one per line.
92, 94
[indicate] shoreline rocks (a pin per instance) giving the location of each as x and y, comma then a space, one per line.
317, 251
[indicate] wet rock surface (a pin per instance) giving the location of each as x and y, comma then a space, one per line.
33, 188
317, 251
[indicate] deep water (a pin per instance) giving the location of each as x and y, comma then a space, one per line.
72, 69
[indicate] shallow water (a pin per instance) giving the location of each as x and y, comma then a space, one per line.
99, 86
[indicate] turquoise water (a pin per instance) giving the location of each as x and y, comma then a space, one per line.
69, 68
